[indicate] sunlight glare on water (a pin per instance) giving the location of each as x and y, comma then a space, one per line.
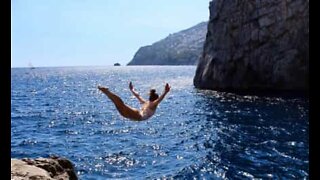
196, 134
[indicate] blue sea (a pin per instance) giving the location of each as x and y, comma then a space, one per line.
195, 134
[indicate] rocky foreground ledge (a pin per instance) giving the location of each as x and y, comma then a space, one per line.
42, 169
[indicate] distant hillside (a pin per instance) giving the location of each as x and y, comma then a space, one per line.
182, 48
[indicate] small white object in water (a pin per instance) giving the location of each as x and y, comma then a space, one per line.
179, 157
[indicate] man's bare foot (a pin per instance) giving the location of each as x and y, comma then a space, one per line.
103, 89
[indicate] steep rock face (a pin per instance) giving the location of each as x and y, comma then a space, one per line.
42, 169
182, 48
255, 45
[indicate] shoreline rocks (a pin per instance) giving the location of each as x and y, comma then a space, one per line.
43, 169
256, 45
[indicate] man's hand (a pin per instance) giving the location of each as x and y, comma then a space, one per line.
167, 88
130, 86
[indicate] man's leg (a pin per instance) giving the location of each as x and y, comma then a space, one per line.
123, 109
114, 98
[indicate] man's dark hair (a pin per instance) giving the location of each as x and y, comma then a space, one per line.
153, 95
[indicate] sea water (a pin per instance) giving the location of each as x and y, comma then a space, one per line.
195, 134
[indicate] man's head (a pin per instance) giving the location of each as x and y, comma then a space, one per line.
153, 95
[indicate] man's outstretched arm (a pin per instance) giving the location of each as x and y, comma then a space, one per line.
141, 100
166, 90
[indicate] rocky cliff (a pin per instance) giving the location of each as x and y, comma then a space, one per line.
182, 48
42, 169
255, 45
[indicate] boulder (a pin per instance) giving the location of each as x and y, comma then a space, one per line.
42, 169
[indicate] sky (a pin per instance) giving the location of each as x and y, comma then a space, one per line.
48, 33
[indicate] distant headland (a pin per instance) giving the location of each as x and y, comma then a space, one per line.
181, 48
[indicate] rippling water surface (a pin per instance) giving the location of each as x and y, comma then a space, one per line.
195, 134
